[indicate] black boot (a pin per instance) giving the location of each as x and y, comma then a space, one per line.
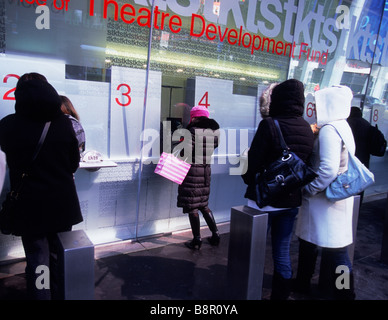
281, 288
214, 240
196, 243
307, 259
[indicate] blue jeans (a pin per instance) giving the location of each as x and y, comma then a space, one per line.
281, 224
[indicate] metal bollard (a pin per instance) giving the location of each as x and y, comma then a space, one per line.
384, 245
246, 258
76, 266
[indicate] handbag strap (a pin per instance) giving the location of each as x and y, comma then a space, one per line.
338, 131
41, 140
36, 152
351, 156
282, 142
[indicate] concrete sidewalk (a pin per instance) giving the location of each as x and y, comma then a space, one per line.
162, 268
172, 271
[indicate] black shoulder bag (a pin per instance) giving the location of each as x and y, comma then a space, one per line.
286, 174
8, 210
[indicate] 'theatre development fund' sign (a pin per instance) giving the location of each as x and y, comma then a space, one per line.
316, 34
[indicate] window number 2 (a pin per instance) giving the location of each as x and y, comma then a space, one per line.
124, 94
8, 95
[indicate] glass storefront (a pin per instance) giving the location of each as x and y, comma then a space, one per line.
134, 68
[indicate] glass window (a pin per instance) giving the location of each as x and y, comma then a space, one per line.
133, 72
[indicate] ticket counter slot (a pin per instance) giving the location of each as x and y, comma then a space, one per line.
93, 161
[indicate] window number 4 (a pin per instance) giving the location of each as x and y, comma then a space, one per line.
205, 100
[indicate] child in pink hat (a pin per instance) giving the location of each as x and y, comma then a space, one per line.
193, 193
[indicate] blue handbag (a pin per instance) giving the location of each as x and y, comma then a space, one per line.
351, 182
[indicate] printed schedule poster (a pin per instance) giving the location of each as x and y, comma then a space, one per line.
127, 108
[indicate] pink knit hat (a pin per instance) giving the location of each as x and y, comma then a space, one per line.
199, 111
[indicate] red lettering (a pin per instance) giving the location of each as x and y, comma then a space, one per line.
91, 8
172, 23
222, 36
250, 40
285, 48
211, 29
64, 4
269, 41
293, 48
131, 13
202, 21
234, 36
164, 16
146, 17
302, 49
279, 45
156, 13
38, 2
239, 36
116, 8
254, 47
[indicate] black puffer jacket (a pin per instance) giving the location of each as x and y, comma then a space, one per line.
48, 200
287, 106
366, 136
194, 191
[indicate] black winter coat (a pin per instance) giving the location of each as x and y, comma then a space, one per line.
48, 200
194, 191
287, 106
364, 136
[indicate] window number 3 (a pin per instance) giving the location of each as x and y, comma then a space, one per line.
7, 95
124, 94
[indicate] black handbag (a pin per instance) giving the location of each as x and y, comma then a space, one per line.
8, 212
286, 174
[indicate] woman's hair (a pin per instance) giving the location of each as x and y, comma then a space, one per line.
265, 100
68, 108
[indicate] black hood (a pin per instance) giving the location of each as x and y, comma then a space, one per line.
355, 112
37, 100
287, 99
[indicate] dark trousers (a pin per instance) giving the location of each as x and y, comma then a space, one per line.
331, 258
42, 270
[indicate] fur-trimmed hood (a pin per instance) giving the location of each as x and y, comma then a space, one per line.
204, 123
